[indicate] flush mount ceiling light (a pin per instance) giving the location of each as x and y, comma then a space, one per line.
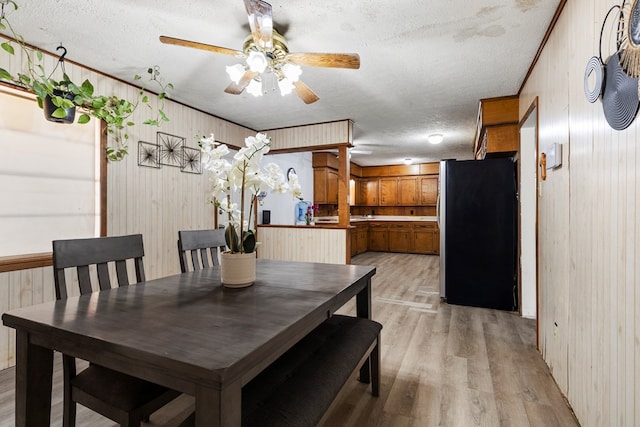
407, 161
435, 138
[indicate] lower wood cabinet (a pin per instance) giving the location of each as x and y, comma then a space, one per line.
359, 238
426, 239
405, 237
378, 237
363, 238
400, 238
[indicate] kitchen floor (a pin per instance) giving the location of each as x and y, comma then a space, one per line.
447, 365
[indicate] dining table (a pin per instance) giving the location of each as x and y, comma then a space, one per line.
186, 332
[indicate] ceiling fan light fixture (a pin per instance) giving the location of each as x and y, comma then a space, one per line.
257, 61
235, 72
435, 138
286, 86
292, 72
255, 88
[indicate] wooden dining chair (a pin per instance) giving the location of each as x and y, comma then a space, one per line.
201, 246
122, 398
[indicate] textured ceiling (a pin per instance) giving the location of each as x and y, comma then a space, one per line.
425, 64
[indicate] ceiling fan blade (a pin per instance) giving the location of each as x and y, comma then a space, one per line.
261, 22
305, 93
330, 60
238, 88
201, 46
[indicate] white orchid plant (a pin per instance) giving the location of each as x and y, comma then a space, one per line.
243, 175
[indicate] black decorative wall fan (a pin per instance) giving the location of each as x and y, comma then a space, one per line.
265, 49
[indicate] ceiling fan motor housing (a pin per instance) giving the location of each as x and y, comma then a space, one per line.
275, 54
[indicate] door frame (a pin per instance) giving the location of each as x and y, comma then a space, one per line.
533, 108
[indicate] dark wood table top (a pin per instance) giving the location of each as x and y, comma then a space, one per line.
187, 331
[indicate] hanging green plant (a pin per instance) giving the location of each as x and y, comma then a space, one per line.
65, 95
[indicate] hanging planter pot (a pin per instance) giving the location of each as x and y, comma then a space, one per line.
56, 114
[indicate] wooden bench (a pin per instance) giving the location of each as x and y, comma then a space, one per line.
298, 388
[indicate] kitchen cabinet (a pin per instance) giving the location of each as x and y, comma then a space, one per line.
400, 237
429, 190
388, 191
356, 192
426, 239
408, 190
406, 237
325, 186
499, 141
369, 188
378, 237
399, 191
497, 130
363, 238
359, 238
353, 235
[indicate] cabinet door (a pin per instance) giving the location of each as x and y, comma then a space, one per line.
354, 241
332, 186
400, 238
378, 237
320, 186
363, 238
370, 191
388, 191
408, 191
325, 186
355, 192
424, 241
428, 190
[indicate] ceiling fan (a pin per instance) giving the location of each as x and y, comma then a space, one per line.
265, 49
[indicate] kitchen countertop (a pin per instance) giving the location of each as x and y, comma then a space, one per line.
376, 218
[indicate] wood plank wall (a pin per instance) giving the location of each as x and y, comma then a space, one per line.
589, 238
321, 134
308, 244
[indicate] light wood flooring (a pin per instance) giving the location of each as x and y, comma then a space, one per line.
442, 365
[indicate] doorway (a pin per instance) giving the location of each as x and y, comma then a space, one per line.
528, 211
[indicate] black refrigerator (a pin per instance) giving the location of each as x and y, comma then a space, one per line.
477, 214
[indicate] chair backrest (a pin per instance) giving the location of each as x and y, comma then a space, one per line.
99, 251
199, 246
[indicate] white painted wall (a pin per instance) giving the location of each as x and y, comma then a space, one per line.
282, 206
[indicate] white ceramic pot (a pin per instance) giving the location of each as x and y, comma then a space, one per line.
237, 270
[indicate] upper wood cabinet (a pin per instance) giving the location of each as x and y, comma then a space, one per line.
388, 191
408, 191
393, 185
499, 139
325, 186
369, 191
355, 192
428, 190
497, 128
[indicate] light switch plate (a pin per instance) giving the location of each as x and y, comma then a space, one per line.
554, 156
